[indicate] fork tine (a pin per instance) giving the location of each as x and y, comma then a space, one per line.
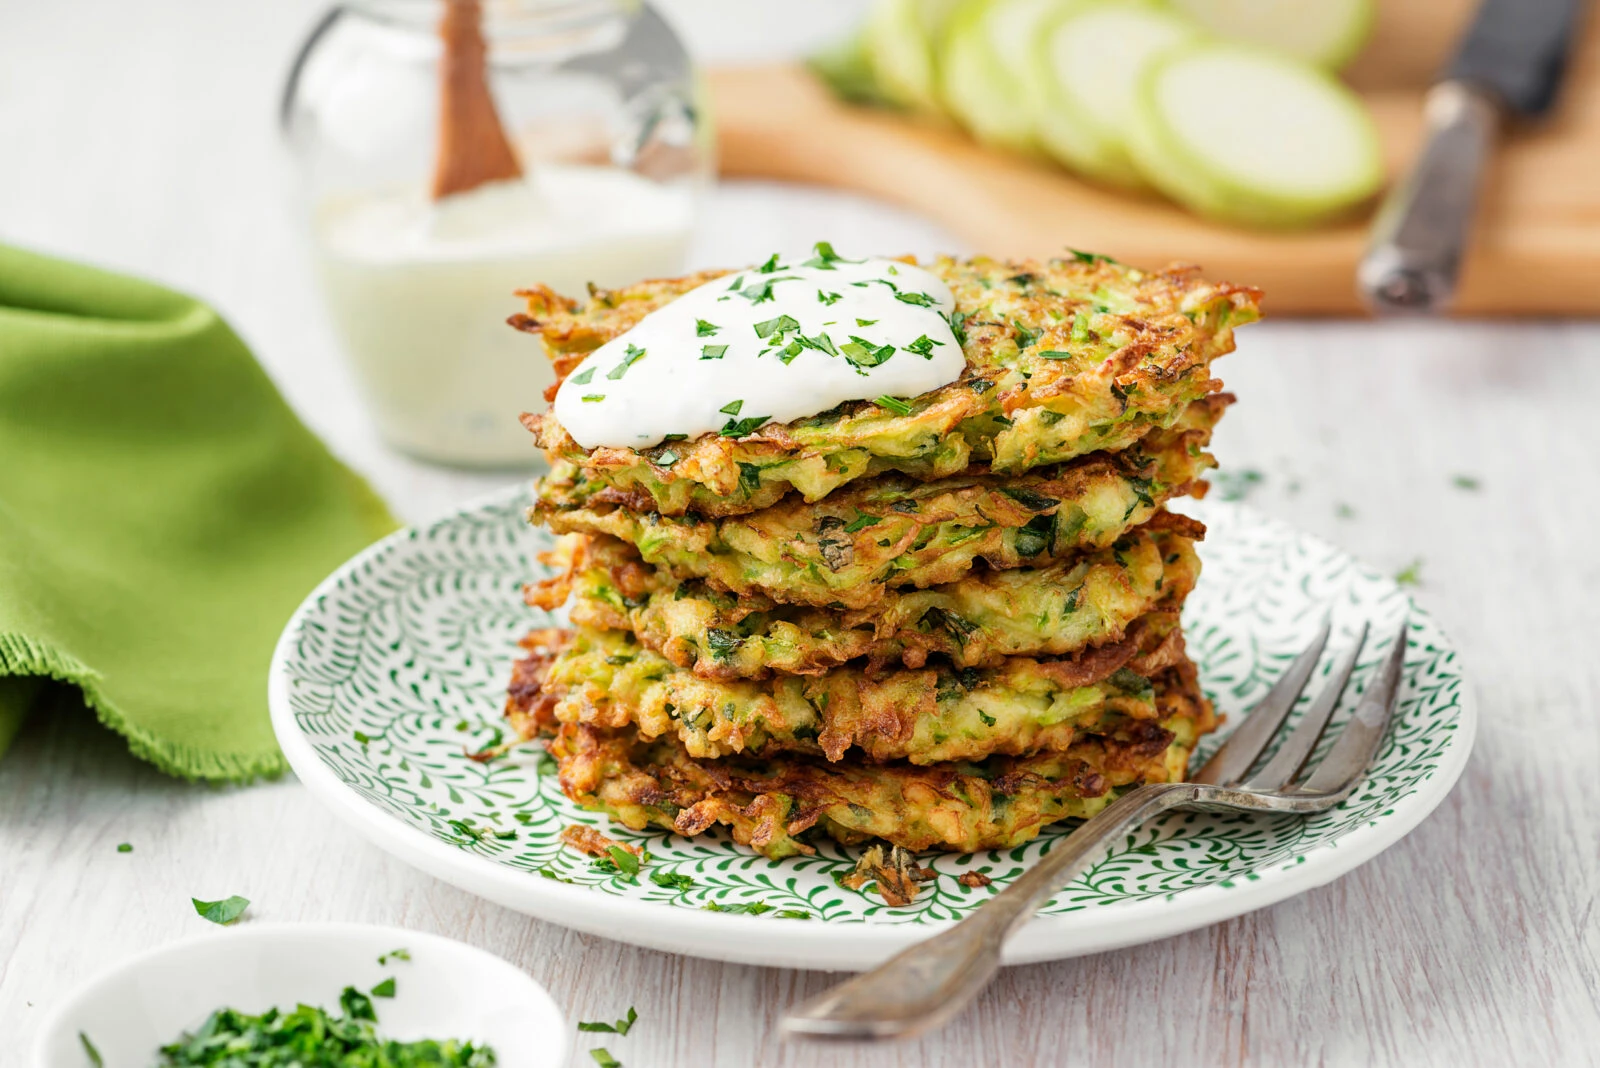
1244, 745
1291, 755
1364, 733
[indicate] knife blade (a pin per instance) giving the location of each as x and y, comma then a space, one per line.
1511, 61
1518, 49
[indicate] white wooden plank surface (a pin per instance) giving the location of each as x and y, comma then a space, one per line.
139, 136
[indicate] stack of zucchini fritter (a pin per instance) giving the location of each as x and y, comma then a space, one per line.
945, 627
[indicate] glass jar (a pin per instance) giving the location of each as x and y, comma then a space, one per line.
601, 104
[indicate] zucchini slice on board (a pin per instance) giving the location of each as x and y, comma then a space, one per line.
982, 68
1085, 70
1328, 33
901, 40
1249, 137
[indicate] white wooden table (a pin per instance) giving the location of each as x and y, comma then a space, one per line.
140, 136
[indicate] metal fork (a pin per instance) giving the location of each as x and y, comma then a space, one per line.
928, 984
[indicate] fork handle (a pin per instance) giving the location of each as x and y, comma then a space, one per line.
929, 983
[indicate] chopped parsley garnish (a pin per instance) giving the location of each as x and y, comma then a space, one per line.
1036, 536
923, 346
313, 1038
1032, 501
988, 720
770, 266
829, 298
666, 458
825, 257
1131, 682
590, 398
722, 642
620, 862
822, 343
862, 521
357, 1005
958, 325
1025, 337
738, 280
894, 404
395, 954
621, 1027
384, 989
747, 908
731, 408
1411, 575
583, 376
762, 293
90, 1052
866, 322
125, 847
604, 1059
1053, 354
863, 353
672, 880
712, 352
1090, 257
625, 860
738, 428
224, 911
780, 325
705, 329
749, 477
632, 355
921, 300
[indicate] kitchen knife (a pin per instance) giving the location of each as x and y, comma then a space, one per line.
1510, 63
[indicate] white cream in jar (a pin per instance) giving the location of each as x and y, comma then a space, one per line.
420, 292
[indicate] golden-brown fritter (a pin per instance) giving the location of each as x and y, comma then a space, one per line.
774, 805
976, 621
1064, 357
894, 531
938, 713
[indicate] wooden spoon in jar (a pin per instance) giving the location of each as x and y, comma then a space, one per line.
473, 148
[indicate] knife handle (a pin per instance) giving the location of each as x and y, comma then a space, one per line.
1420, 234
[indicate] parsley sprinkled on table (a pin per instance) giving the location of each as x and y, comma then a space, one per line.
222, 912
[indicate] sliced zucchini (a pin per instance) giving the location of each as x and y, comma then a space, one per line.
846, 69
1085, 70
1246, 136
982, 65
900, 40
1328, 33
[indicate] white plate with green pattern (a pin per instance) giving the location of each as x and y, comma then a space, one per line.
395, 668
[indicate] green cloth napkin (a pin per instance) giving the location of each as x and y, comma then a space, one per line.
162, 512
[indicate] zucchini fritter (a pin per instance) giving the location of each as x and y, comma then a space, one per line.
1064, 357
893, 531
975, 621
770, 805
938, 713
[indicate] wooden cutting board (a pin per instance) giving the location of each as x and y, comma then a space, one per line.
1536, 247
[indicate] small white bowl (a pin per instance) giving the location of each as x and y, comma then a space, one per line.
446, 990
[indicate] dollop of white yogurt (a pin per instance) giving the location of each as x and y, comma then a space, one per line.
779, 342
